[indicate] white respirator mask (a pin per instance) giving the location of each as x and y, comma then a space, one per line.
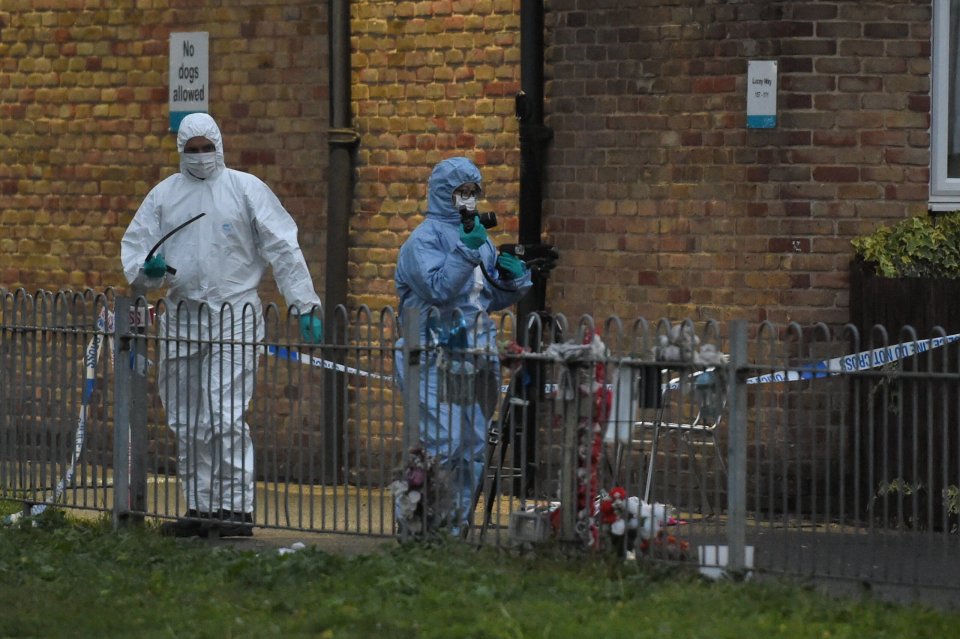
200, 165
464, 202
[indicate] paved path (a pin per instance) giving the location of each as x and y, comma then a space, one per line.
270, 539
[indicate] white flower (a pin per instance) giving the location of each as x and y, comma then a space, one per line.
654, 517
399, 487
407, 504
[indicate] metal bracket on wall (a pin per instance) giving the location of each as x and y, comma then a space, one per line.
344, 137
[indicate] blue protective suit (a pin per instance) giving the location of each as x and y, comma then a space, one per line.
439, 277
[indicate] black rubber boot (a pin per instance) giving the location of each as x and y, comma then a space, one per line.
235, 524
195, 524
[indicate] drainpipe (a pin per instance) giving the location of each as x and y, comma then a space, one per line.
342, 141
534, 137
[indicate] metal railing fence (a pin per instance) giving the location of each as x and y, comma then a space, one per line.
795, 450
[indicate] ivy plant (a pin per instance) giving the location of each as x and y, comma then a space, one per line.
920, 246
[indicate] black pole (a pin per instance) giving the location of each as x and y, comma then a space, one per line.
534, 137
342, 140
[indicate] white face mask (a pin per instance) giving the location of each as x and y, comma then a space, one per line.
461, 202
200, 165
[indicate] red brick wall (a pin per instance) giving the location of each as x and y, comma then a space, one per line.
83, 123
664, 204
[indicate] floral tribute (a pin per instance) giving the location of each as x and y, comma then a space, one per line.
589, 437
635, 527
585, 360
421, 498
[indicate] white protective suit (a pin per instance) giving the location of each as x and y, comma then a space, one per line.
206, 385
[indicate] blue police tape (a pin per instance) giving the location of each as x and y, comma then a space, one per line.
863, 360
91, 355
318, 362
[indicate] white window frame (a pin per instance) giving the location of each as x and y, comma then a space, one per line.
944, 190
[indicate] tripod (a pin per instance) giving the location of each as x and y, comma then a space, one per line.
515, 421
507, 426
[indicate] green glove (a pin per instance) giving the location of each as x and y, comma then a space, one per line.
155, 267
510, 266
311, 328
476, 237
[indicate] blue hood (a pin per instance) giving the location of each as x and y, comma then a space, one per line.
446, 177
439, 276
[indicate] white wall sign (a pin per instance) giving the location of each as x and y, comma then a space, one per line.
189, 75
761, 94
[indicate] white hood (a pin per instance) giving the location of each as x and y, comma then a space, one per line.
200, 125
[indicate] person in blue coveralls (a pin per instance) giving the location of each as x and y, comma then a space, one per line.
213, 316
449, 273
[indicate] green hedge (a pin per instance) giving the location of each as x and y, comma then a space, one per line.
921, 246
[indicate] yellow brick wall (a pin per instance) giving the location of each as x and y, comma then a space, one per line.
660, 199
84, 123
83, 136
430, 80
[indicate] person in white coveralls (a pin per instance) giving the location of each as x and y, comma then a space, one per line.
212, 269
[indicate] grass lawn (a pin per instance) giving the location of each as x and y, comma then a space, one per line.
65, 578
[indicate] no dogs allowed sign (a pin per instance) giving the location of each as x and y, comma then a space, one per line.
189, 75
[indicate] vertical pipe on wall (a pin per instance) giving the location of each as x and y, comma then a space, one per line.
342, 140
534, 137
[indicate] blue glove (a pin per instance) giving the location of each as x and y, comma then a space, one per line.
155, 267
477, 237
510, 266
311, 328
